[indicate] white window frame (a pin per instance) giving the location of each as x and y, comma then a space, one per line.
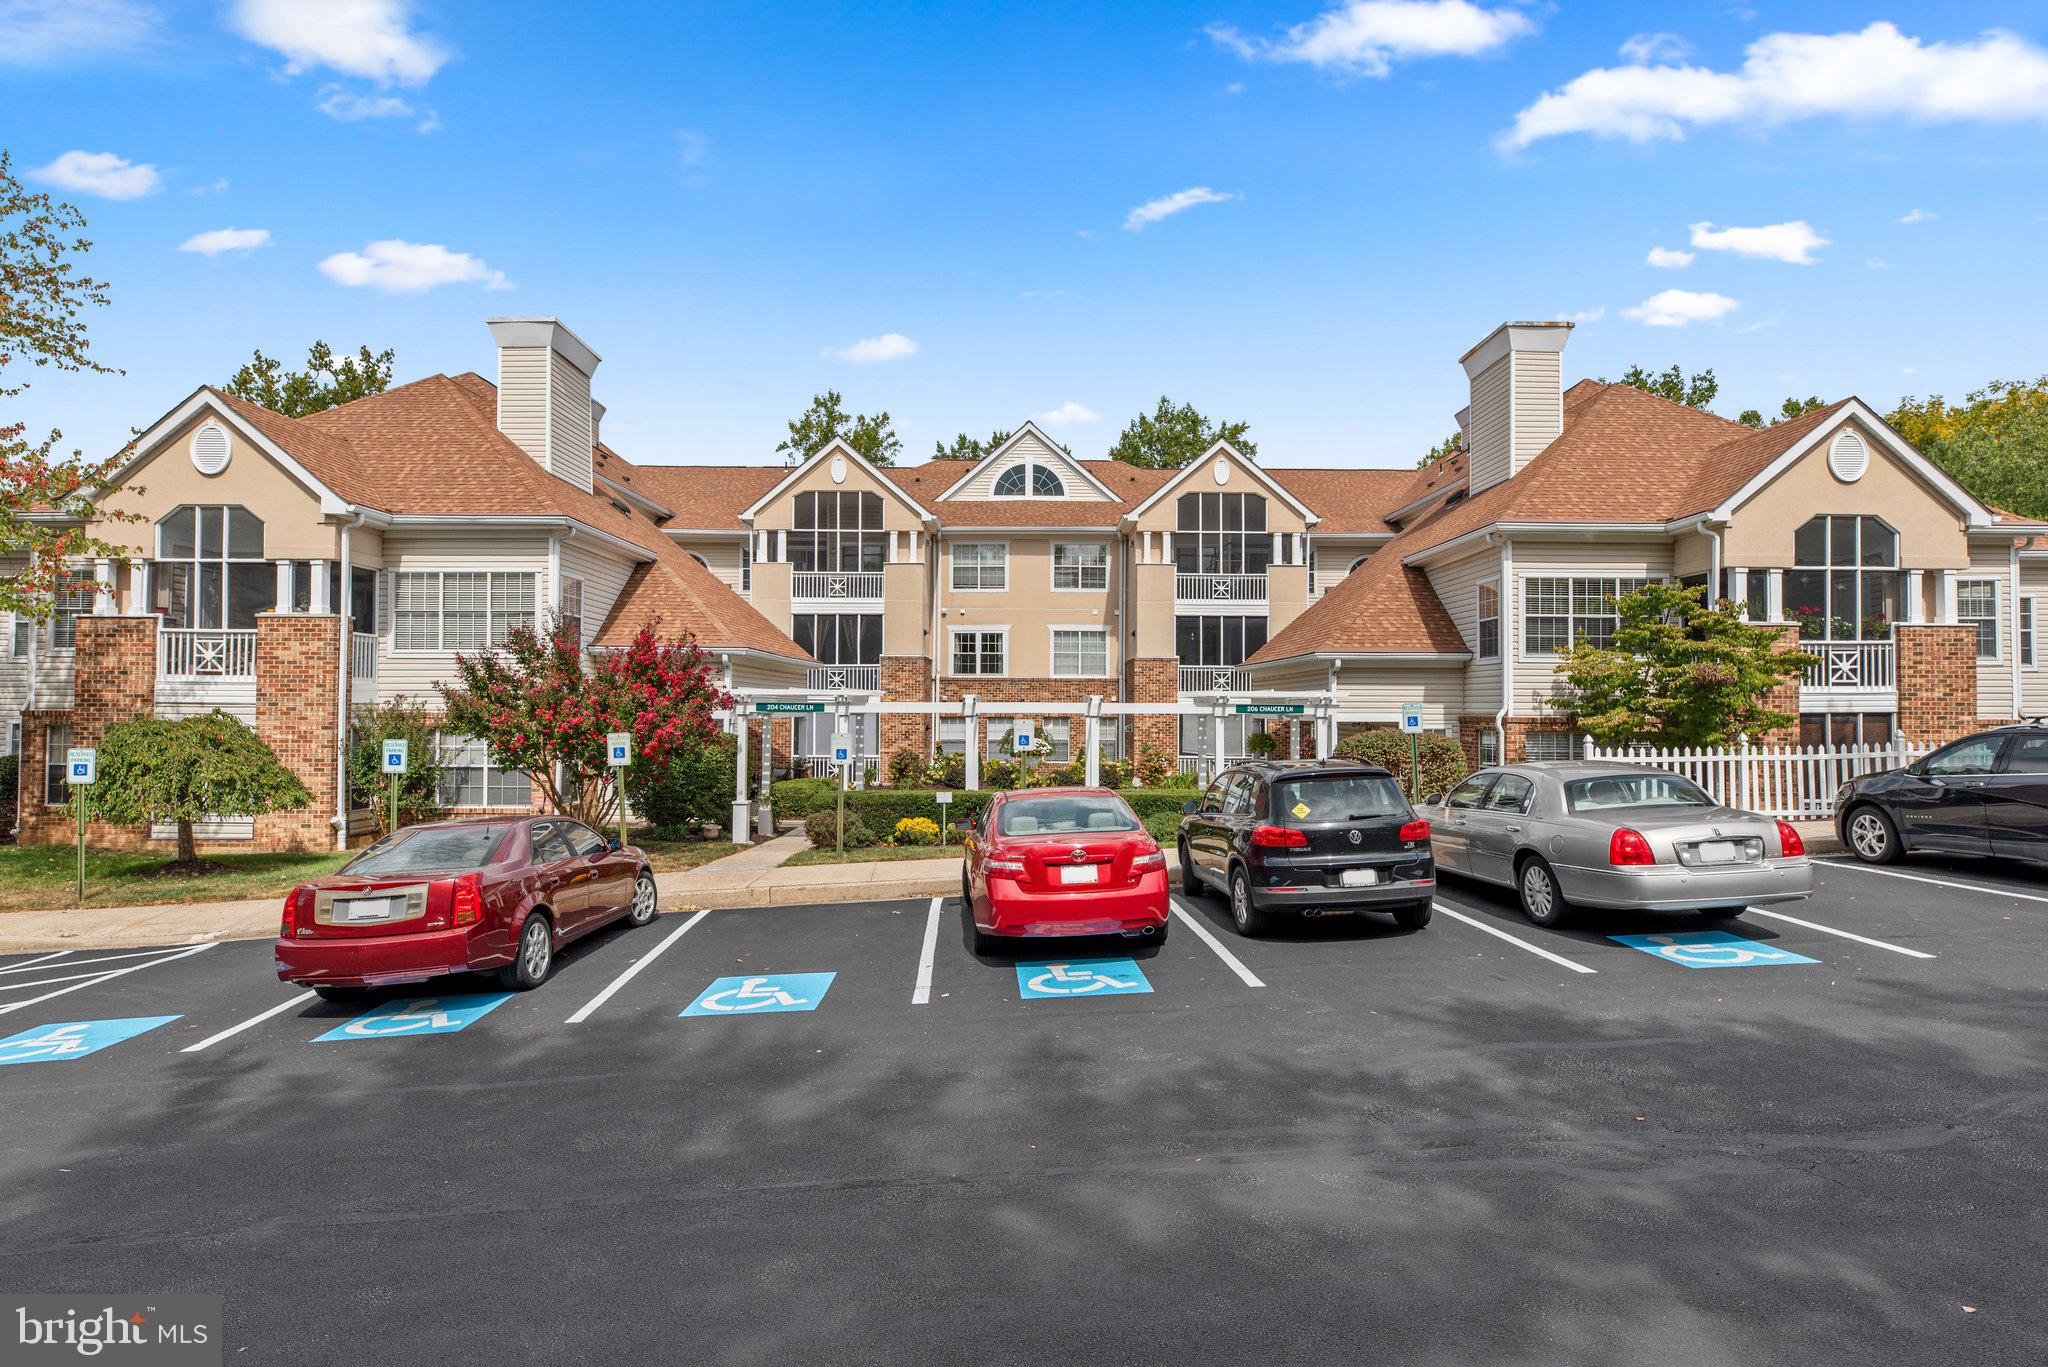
23, 632
953, 635
2030, 618
1480, 619
1053, 651
440, 578
1080, 584
1488, 744
76, 595
1002, 568
1962, 619
1619, 583
447, 741
1575, 744
1030, 469
572, 593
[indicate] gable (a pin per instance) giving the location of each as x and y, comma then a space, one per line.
1221, 470
834, 469
164, 477
1011, 471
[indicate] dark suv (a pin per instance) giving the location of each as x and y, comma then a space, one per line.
1315, 837
1985, 794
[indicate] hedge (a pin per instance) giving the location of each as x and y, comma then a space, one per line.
795, 797
1443, 762
880, 809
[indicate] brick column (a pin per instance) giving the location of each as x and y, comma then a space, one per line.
1937, 681
115, 682
905, 678
298, 689
1154, 680
1783, 698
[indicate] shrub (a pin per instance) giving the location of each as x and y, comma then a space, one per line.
795, 797
1263, 744
1151, 802
10, 786
153, 769
906, 769
1152, 768
419, 787
882, 808
693, 789
1443, 763
1001, 774
1116, 773
946, 771
915, 830
821, 828
1164, 827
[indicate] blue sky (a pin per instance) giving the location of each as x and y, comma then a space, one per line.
729, 201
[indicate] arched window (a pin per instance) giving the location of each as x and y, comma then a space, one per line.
209, 572
1045, 482
1845, 584
1356, 563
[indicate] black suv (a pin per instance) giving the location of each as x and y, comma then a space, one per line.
1318, 837
1985, 794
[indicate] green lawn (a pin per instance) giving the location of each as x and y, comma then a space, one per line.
670, 855
875, 855
38, 877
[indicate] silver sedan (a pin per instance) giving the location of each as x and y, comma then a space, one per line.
1613, 835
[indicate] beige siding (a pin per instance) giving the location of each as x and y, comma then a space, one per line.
2034, 680
569, 441
1457, 587
523, 398
1994, 676
1333, 565
1029, 449
604, 575
1029, 605
1240, 478
416, 675
1488, 435
292, 527
1930, 531
721, 555
1381, 689
1539, 402
1536, 676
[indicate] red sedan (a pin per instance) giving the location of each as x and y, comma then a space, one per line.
458, 896
1062, 861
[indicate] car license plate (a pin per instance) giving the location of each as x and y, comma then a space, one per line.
1717, 852
1080, 873
1359, 878
361, 909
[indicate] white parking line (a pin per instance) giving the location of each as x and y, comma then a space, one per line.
1538, 950
1235, 964
98, 978
1937, 882
31, 963
1830, 930
583, 1013
234, 1030
80, 963
921, 995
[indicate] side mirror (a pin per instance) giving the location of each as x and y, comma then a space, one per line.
964, 827
1432, 799
1190, 808
614, 844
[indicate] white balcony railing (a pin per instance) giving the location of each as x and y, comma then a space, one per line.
1214, 679
362, 655
1219, 588
1850, 664
185, 653
846, 678
864, 586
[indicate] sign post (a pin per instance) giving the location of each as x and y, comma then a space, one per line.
842, 759
618, 753
1411, 722
396, 758
81, 770
945, 800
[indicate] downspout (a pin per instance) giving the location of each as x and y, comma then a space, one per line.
1127, 745
346, 609
1713, 594
935, 635
1509, 615
2016, 631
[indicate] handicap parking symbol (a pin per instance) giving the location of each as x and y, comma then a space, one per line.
73, 1039
1086, 978
762, 995
418, 1016
1711, 949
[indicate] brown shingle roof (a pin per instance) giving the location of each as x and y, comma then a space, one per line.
707, 497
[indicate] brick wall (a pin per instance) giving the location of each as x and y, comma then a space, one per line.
1783, 698
1152, 679
1009, 698
116, 681
906, 678
1937, 681
298, 689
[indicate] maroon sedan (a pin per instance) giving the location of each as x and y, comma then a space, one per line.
458, 896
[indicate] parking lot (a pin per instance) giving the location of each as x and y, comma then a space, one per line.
818, 1133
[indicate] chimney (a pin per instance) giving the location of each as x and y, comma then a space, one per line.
544, 402
1517, 408
596, 417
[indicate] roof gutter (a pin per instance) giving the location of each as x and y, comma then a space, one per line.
569, 527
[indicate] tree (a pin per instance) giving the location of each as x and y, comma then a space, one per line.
1788, 410
871, 435
324, 383
965, 447
44, 295
419, 787
1696, 391
1450, 445
152, 769
1173, 436
1677, 673
1995, 443
538, 709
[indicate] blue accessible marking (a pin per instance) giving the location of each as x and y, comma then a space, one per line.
1711, 949
1083, 978
419, 1016
761, 995
73, 1039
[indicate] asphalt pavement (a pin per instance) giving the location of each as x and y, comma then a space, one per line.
834, 1134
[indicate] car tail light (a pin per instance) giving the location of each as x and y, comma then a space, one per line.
1789, 843
1418, 829
468, 900
1150, 859
297, 903
1279, 838
996, 867
1626, 847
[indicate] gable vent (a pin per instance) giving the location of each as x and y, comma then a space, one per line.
210, 449
1848, 457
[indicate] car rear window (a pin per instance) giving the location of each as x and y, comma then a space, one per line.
1618, 791
1079, 815
1338, 797
428, 849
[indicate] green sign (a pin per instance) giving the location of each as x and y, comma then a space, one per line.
787, 709
1270, 709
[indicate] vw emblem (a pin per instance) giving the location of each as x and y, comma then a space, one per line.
1078, 854
1355, 837
1715, 829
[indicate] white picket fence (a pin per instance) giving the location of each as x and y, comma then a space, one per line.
1797, 782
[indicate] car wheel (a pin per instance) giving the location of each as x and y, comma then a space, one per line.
1191, 882
1248, 918
1542, 901
646, 902
335, 992
1722, 913
1413, 917
984, 943
1872, 836
535, 957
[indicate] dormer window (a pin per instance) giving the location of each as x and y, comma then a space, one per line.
1043, 482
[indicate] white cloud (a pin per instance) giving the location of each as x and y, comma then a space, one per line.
1065, 415
1792, 243
1919, 216
1876, 263
373, 39
1234, 88
1669, 258
102, 174
395, 266
890, 346
1582, 316
692, 148
1166, 206
218, 187
47, 32
1677, 308
1878, 72
1366, 37
339, 102
226, 240
1042, 294
1655, 47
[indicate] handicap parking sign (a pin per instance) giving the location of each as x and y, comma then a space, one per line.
73, 1039
1711, 949
762, 995
419, 1016
1087, 978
